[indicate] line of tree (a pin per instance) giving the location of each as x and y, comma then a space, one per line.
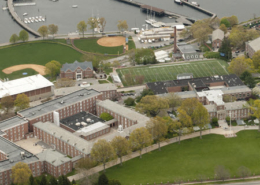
23, 36
52, 68
50, 29
20, 102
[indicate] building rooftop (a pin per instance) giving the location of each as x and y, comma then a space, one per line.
14, 154
185, 48
23, 85
80, 144
235, 105
75, 65
213, 96
103, 87
11, 122
255, 44
58, 103
91, 129
80, 120
217, 34
53, 157
123, 111
161, 87
182, 95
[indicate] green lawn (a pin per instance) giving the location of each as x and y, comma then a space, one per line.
35, 53
191, 158
103, 81
165, 72
91, 45
131, 45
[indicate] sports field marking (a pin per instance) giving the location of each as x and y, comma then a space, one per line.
169, 65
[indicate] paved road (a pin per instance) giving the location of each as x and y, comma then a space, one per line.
243, 183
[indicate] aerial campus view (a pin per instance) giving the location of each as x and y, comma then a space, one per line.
129, 92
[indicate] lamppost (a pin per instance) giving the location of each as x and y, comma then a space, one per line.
230, 116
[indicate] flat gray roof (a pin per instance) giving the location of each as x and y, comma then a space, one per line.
56, 104
255, 44
81, 144
186, 48
14, 154
123, 111
11, 122
235, 89
53, 157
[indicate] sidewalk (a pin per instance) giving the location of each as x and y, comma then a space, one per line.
99, 168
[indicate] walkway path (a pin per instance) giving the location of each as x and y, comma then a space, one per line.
219, 131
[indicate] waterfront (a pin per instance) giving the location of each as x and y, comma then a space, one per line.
66, 17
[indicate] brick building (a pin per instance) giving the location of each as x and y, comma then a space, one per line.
79, 101
252, 47
217, 38
14, 129
124, 116
210, 92
77, 70
35, 87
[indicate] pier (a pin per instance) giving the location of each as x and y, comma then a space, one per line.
179, 18
213, 15
18, 19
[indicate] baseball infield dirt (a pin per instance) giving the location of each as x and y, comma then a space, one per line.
111, 41
39, 68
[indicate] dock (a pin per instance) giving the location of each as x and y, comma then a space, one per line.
179, 18
18, 19
213, 15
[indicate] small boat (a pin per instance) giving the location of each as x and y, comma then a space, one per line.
25, 14
148, 21
32, 20
29, 21
178, 2
74, 6
40, 20
36, 20
43, 19
36, 17
195, 3
25, 22
170, 17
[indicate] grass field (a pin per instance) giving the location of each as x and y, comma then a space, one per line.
170, 71
91, 45
35, 53
191, 158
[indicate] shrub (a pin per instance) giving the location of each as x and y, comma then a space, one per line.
105, 116
129, 102
227, 119
214, 121
210, 54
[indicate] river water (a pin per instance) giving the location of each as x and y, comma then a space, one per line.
62, 14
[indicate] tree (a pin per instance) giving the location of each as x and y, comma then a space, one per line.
241, 64
122, 25
225, 22
139, 139
93, 23
255, 108
174, 100
129, 102
102, 22
52, 68
158, 129
14, 38
144, 93
189, 105
114, 182
53, 181
21, 173
121, 147
21, 102
214, 121
175, 127
222, 173
256, 59
43, 31
223, 28
73, 182
226, 49
53, 29
250, 81
243, 172
85, 163
131, 56
103, 180
244, 75
229, 98
102, 152
23, 35
251, 34
144, 55
7, 103
200, 117
31, 180
233, 20
185, 33
65, 82
200, 30
82, 27
106, 116
43, 180
63, 180
151, 105
237, 36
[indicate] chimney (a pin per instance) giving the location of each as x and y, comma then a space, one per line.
175, 40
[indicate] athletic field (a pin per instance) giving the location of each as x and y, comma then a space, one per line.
165, 72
